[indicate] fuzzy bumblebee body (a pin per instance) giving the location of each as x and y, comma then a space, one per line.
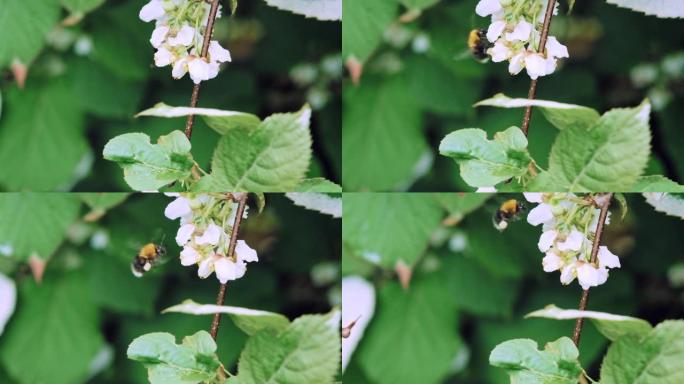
148, 256
508, 211
478, 44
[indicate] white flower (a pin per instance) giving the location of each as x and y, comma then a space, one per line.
602, 275
540, 214
163, 57
184, 37
158, 35
568, 273
151, 11
218, 53
587, 275
607, 259
189, 256
499, 52
178, 208
8, 299
199, 70
495, 29
556, 49
516, 64
487, 7
206, 267
226, 269
210, 236
180, 68
573, 242
184, 234
533, 197
245, 252
551, 262
546, 240
521, 32
536, 65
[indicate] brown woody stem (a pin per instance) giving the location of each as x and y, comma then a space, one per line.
594, 255
205, 51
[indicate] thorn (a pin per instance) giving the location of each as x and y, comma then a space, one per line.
346, 331
404, 272
73, 19
37, 266
20, 71
355, 68
94, 215
410, 16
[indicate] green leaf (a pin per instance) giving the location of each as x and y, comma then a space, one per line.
193, 361
461, 204
595, 160
318, 184
28, 22
383, 147
659, 8
611, 326
319, 9
667, 203
363, 26
218, 120
250, 321
41, 136
83, 6
320, 202
274, 157
36, 223
387, 228
650, 359
418, 4
656, 183
413, 336
102, 201
525, 363
561, 115
57, 325
483, 162
307, 351
150, 166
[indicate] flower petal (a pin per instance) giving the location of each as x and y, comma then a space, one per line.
151, 11
587, 275
551, 262
495, 29
546, 240
607, 259
521, 32
244, 252
487, 7
573, 242
184, 37
228, 270
210, 236
540, 214
184, 234
189, 256
158, 35
178, 208
533, 197
218, 53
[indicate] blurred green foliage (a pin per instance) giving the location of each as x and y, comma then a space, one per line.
88, 76
418, 83
472, 285
75, 325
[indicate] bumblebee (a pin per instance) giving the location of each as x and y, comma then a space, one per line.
478, 44
509, 210
148, 256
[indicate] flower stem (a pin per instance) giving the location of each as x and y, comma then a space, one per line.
532, 93
205, 51
594, 254
241, 199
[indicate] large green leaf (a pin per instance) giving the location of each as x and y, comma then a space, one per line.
413, 335
218, 120
308, 351
81, 5
363, 26
656, 183
486, 162
660, 8
318, 184
41, 137
387, 228
611, 326
193, 361
383, 147
28, 22
610, 156
668, 203
250, 321
319, 9
651, 359
150, 166
525, 363
36, 223
461, 204
273, 157
103, 201
56, 325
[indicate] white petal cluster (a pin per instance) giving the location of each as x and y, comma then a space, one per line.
178, 38
205, 229
515, 31
569, 226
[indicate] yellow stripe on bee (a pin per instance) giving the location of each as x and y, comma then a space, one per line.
148, 251
510, 206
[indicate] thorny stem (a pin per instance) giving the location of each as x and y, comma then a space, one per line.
542, 44
241, 199
205, 51
594, 254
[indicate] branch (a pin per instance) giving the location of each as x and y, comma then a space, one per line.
205, 51
542, 44
241, 199
594, 253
